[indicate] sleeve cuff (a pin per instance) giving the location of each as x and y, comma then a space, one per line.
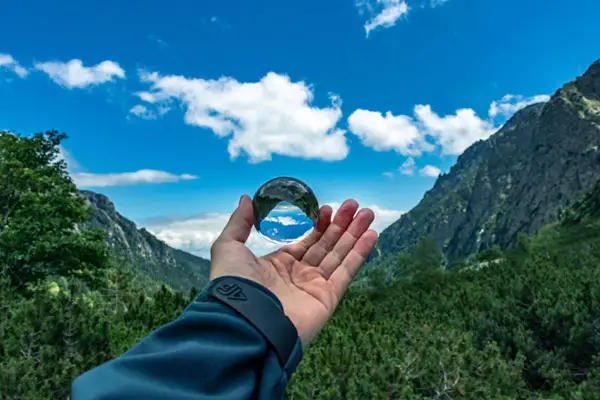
262, 309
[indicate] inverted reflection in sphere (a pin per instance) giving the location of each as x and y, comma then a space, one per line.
285, 210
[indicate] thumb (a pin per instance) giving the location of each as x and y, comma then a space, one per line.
240, 223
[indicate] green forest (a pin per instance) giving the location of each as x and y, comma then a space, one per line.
515, 323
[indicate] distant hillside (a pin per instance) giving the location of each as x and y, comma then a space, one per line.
521, 178
151, 256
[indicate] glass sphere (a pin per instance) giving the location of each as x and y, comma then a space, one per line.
285, 210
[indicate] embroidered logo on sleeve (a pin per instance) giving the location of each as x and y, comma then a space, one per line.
232, 292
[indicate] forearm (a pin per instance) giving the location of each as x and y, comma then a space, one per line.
210, 352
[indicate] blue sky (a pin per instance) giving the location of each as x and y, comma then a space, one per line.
216, 97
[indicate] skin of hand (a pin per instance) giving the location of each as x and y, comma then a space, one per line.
309, 277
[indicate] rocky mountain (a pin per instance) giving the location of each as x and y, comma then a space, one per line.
542, 160
145, 252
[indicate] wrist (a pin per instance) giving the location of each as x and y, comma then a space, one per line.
278, 292
262, 309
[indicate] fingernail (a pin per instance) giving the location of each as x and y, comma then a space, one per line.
241, 198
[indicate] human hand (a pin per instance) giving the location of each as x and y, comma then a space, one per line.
309, 277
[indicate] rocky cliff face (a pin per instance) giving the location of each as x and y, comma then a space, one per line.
154, 258
519, 179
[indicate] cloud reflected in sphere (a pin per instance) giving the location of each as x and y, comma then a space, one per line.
285, 210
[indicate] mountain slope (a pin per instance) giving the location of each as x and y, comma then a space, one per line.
151, 256
488, 330
522, 177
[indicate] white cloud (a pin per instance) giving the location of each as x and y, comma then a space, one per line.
73, 74
384, 217
430, 170
197, 234
65, 155
8, 62
510, 104
272, 116
397, 133
142, 111
409, 136
389, 12
452, 133
84, 179
435, 3
146, 96
284, 220
407, 167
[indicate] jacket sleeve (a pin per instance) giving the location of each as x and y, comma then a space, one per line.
210, 352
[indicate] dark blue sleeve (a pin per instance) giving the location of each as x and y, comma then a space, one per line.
209, 352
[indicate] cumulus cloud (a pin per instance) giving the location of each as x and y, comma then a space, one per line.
271, 116
144, 176
9, 63
146, 96
430, 171
426, 130
510, 104
73, 74
285, 220
389, 132
411, 135
407, 167
454, 133
384, 13
196, 234
142, 111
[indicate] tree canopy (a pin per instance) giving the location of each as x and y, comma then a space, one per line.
39, 213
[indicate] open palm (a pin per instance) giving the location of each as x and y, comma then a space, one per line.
309, 277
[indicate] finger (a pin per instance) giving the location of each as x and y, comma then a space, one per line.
240, 223
317, 252
346, 272
299, 249
334, 258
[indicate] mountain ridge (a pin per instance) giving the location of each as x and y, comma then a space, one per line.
518, 180
147, 254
